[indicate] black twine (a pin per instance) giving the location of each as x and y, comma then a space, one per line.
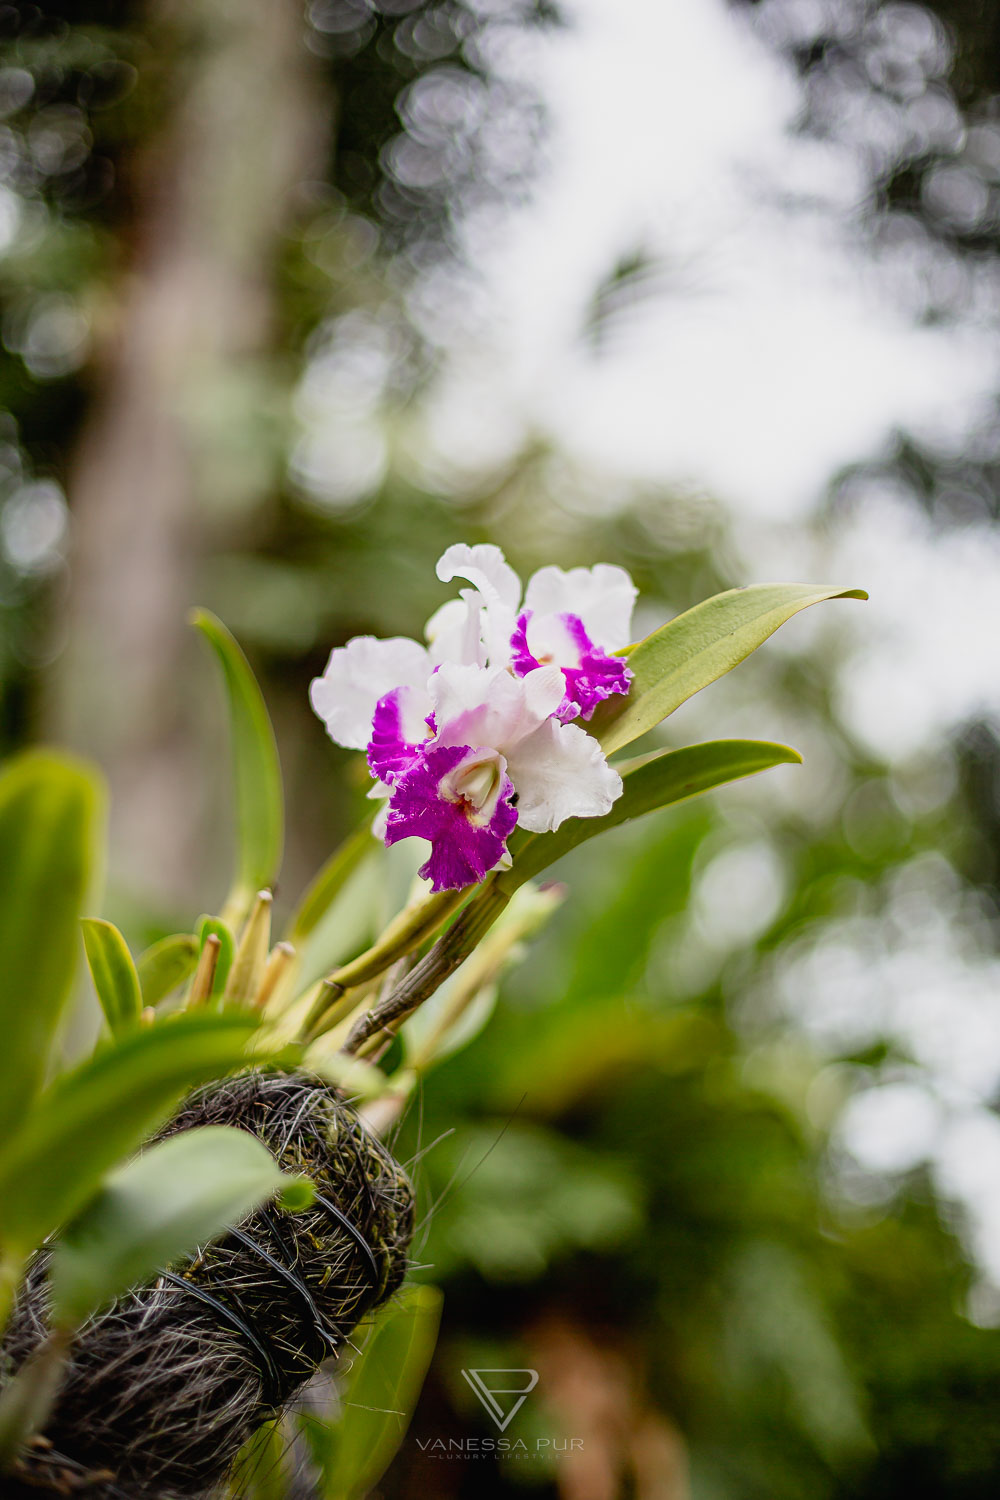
289, 1277
358, 1239
270, 1379
267, 1367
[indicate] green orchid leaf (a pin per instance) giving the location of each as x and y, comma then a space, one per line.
50, 812
103, 1110
651, 783
353, 1451
328, 884
698, 647
114, 974
166, 965
257, 774
166, 1203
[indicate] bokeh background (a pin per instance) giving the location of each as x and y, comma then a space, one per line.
292, 298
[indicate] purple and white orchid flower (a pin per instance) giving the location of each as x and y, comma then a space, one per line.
469, 736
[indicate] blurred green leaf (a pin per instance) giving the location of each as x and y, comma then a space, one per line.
257, 774
50, 807
353, 1452
779, 1333
261, 1471
529, 1199
166, 965
411, 927
698, 647
215, 927
328, 884
297, 1193
173, 1198
114, 974
655, 782
26, 1401
101, 1111
352, 1075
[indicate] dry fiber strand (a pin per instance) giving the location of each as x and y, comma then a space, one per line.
166, 1386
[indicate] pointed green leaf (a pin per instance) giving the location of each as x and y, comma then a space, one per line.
50, 811
166, 965
166, 1203
257, 774
698, 647
114, 974
328, 884
353, 1453
653, 782
102, 1110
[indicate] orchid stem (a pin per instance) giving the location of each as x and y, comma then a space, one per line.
450, 950
403, 934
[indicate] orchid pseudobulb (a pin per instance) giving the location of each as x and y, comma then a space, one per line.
471, 735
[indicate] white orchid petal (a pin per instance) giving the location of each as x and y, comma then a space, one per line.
550, 640
358, 675
499, 593
478, 706
602, 597
413, 705
489, 707
486, 568
544, 690
454, 632
560, 772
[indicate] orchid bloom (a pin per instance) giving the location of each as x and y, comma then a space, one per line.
469, 736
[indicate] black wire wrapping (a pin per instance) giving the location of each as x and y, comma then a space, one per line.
271, 1383
355, 1235
164, 1388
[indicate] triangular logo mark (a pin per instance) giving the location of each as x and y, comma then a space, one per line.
487, 1386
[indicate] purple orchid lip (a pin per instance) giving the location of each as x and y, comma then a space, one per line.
466, 842
589, 681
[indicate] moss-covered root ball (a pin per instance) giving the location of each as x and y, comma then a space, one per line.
166, 1386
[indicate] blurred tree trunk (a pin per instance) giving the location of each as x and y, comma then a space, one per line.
184, 393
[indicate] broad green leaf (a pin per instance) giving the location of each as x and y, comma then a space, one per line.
103, 1110
50, 811
166, 965
353, 1453
655, 781
328, 884
114, 974
173, 1198
215, 927
698, 647
257, 774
